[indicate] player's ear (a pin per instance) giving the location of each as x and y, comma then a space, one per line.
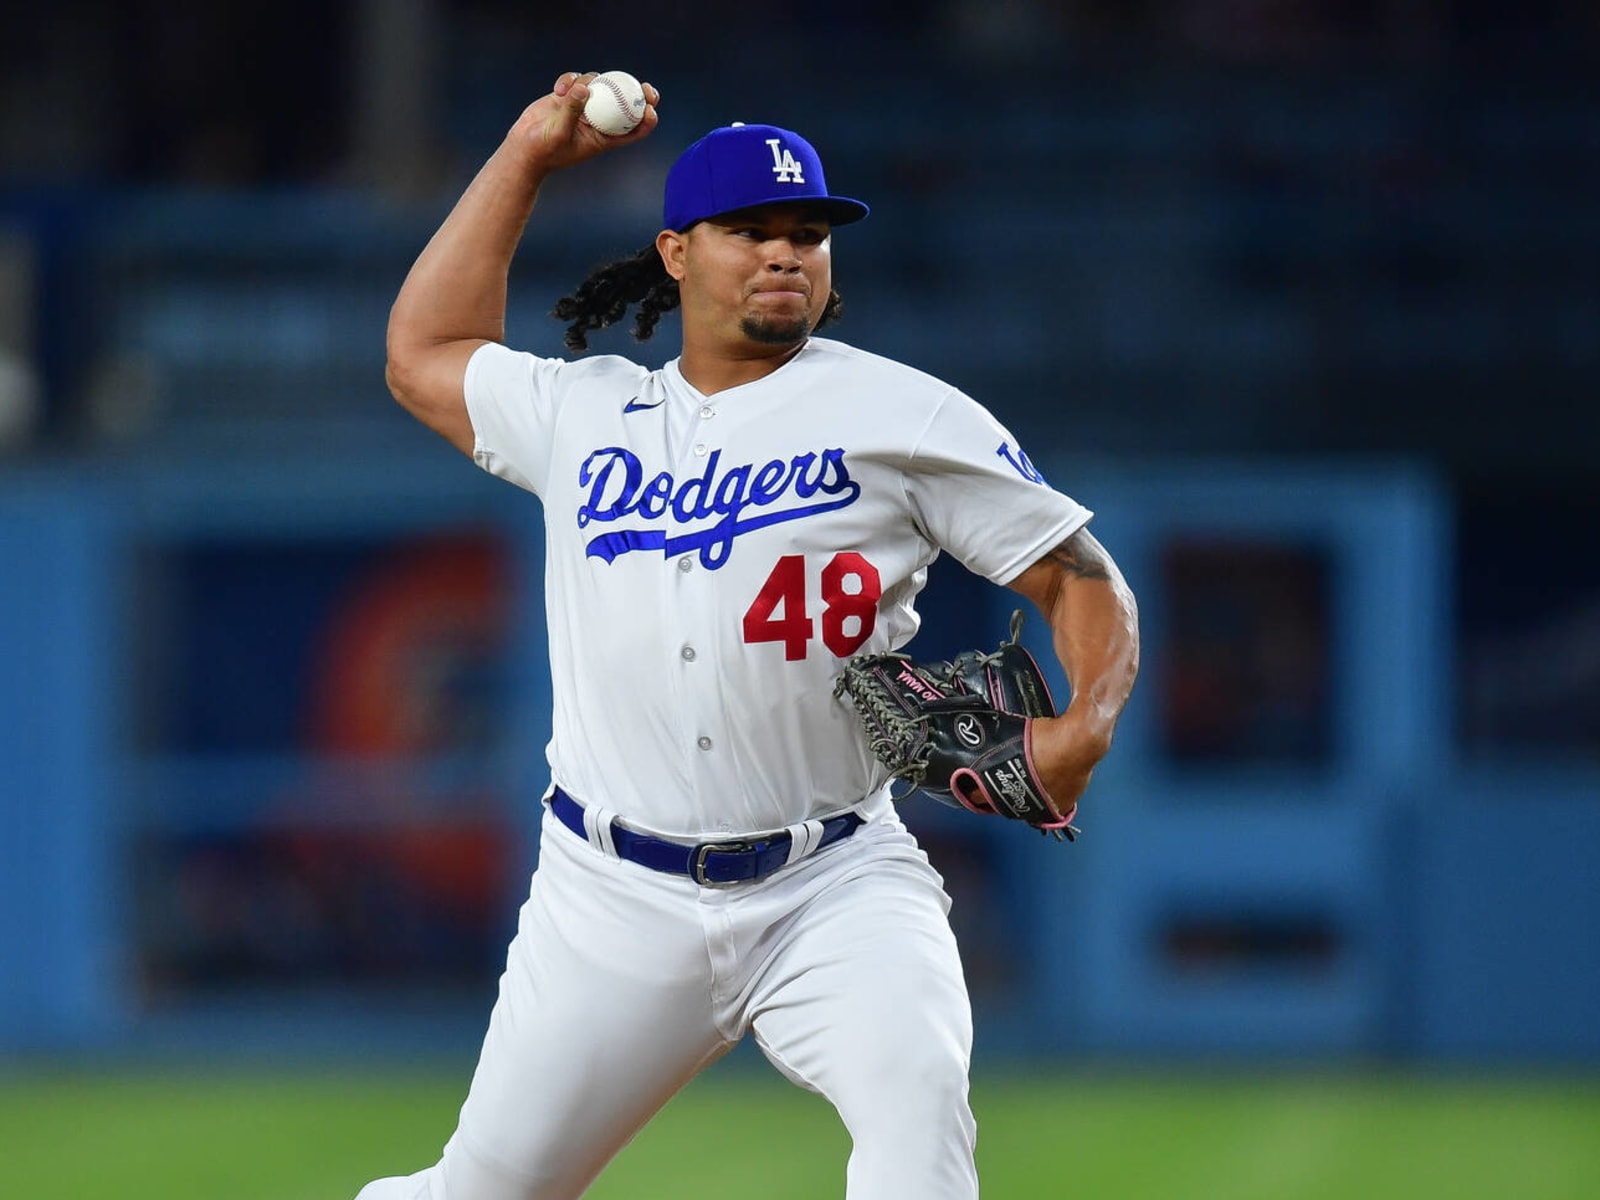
672, 246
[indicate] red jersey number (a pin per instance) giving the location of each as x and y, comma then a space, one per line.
851, 590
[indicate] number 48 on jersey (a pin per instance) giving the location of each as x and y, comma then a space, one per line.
850, 593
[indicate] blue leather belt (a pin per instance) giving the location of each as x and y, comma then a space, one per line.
710, 864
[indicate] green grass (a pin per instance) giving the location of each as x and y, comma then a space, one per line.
742, 1136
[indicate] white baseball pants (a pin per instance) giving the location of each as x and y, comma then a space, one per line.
622, 983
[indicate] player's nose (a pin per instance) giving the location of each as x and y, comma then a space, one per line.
781, 255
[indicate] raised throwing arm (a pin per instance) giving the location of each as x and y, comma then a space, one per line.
454, 298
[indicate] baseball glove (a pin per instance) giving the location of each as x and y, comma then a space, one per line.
960, 730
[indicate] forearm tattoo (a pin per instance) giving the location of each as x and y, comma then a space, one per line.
1082, 556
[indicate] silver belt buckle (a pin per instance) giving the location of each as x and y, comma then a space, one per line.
697, 869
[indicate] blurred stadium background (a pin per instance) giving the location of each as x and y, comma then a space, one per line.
1299, 295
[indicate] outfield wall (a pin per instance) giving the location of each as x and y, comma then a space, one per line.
271, 736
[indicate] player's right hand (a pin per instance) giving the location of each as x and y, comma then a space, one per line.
552, 128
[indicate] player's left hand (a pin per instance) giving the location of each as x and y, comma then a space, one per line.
966, 731
1065, 754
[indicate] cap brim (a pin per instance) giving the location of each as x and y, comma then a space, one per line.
840, 210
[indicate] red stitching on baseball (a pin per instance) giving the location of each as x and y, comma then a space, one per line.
616, 94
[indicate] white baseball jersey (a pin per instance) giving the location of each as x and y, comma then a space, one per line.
712, 560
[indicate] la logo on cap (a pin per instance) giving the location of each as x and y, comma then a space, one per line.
784, 167
726, 171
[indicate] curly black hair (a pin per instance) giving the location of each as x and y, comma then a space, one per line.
602, 299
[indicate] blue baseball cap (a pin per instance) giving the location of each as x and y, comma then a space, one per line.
741, 166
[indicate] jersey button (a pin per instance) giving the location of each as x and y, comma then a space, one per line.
686, 563
688, 653
704, 743
700, 450
707, 412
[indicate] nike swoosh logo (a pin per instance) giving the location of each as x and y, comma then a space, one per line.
634, 405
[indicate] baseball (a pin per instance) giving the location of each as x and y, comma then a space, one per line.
615, 104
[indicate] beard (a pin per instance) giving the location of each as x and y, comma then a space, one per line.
776, 331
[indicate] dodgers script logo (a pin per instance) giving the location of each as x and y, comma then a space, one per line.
779, 491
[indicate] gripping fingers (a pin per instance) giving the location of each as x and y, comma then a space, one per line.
573, 87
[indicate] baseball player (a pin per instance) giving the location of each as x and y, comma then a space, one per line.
720, 855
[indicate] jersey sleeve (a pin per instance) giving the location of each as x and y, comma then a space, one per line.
511, 400
979, 497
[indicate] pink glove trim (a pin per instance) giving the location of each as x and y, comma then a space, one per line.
1033, 773
962, 775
